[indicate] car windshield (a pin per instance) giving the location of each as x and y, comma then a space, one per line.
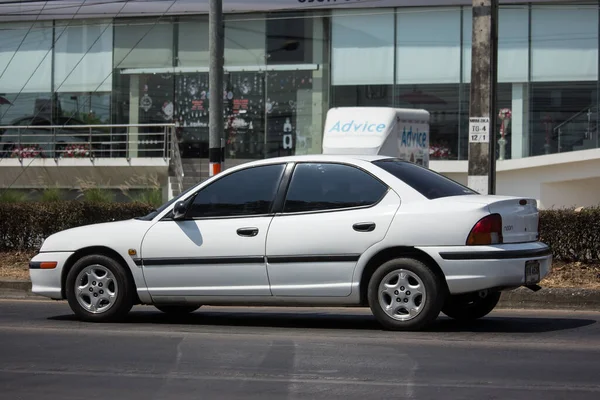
425, 181
154, 213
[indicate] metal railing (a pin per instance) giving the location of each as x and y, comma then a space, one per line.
87, 141
579, 131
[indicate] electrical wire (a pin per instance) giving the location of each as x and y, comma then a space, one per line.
30, 162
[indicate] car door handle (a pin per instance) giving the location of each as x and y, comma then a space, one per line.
247, 232
364, 226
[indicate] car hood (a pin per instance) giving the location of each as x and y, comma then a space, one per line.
115, 235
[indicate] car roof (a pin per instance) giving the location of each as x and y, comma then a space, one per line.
320, 158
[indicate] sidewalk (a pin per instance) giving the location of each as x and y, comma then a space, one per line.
522, 298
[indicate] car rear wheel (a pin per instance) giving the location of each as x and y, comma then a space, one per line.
98, 289
177, 310
471, 306
405, 294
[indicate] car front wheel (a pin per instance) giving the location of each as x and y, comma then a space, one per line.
405, 294
471, 306
98, 289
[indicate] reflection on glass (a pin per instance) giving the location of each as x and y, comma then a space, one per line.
442, 102
563, 117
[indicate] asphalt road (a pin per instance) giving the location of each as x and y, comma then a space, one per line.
234, 353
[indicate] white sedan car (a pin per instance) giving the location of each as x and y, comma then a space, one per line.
316, 230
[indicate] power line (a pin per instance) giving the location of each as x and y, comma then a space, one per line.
30, 162
20, 44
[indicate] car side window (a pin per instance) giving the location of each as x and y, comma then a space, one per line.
330, 186
247, 192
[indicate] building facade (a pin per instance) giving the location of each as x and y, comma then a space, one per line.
288, 61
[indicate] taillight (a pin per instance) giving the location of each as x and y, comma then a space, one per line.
487, 230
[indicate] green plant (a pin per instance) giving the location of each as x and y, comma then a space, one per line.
46, 192
150, 193
90, 192
51, 194
12, 196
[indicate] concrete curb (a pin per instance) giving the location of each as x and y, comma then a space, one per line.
552, 299
15, 289
522, 298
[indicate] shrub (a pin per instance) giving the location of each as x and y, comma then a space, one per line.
572, 235
24, 226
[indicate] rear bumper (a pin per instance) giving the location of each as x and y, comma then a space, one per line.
47, 282
473, 268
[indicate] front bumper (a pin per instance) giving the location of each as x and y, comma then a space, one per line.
47, 282
473, 268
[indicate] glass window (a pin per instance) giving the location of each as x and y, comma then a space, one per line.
428, 56
25, 70
362, 46
83, 56
143, 43
247, 192
563, 116
192, 47
564, 43
563, 95
245, 40
290, 39
25, 57
362, 96
430, 184
428, 73
84, 109
443, 103
316, 187
513, 44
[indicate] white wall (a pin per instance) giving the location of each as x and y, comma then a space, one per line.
556, 181
65, 174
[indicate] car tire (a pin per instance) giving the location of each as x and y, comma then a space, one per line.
405, 284
177, 310
470, 307
107, 293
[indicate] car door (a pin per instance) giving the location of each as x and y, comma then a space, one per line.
332, 213
219, 248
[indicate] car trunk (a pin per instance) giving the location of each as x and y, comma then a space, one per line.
520, 215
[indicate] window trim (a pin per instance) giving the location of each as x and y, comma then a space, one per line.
193, 196
396, 159
280, 210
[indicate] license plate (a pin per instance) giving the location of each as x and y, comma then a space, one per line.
532, 272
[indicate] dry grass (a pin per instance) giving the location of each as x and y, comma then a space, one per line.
14, 265
579, 275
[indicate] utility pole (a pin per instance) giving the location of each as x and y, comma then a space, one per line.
216, 48
482, 109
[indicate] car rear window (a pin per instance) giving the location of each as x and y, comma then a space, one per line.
425, 181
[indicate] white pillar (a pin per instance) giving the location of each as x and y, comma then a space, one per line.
519, 123
319, 98
134, 114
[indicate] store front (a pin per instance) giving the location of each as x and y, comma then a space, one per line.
274, 91
284, 70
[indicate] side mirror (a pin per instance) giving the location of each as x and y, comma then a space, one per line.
179, 210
